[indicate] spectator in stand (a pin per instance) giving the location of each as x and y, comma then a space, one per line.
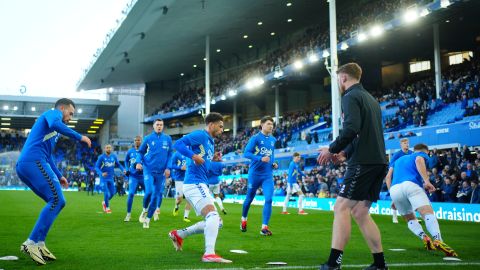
475, 192
465, 193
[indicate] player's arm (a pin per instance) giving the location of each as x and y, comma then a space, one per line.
422, 170
141, 151
54, 167
54, 121
174, 162
388, 177
119, 165
98, 165
272, 158
184, 144
127, 160
351, 125
300, 171
250, 150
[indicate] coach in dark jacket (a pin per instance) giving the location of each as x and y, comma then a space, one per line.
362, 135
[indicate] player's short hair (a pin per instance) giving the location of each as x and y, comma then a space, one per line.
404, 140
266, 118
420, 147
351, 69
213, 117
64, 101
158, 120
108, 145
296, 154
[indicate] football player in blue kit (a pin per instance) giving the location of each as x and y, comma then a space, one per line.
105, 168
260, 150
135, 177
36, 168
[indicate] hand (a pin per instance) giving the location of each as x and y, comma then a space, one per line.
217, 156
64, 182
167, 173
104, 174
86, 140
339, 158
198, 159
139, 167
184, 168
275, 166
266, 159
393, 206
428, 186
324, 157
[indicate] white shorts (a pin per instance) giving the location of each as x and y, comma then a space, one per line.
198, 195
295, 188
215, 189
408, 197
178, 189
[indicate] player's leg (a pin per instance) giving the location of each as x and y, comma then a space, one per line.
287, 199
132, 188
186, 211
301, 196
158, 192
148, 182
370, 178
153, 199
178, 196
253, 185
111, 191
106, 190
43, 182
215, 189
202, 202
433, 228
267, 187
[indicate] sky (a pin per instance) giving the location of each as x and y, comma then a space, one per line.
46, 44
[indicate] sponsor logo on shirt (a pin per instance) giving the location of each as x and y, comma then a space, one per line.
50, 135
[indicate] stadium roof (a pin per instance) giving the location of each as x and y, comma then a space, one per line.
160, 43
18, 112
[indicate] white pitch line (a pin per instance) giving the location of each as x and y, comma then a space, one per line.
347, 266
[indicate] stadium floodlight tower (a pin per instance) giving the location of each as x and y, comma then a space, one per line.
333, 69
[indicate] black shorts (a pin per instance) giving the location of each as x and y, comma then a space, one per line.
363, 182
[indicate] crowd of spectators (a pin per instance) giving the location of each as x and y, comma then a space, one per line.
289, 123
454, 173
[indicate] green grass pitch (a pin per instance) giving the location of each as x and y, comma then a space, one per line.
84, 238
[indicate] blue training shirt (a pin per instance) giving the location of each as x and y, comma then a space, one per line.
200, 143
107, 164
131, 161
405, 169
260, 146
176, 163
155, 152
43, 137
214, 172
398, 155
294, 172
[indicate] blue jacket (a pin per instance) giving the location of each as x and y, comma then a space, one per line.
107, 164
176, 163
155, 152
43, 137
130, 162
257, 147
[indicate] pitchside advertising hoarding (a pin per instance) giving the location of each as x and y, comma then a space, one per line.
447, 211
